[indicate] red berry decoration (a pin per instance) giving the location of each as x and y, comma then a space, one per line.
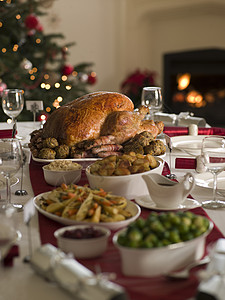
31, 22
67, 70
92, 78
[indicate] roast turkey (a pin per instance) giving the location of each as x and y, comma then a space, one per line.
98, 114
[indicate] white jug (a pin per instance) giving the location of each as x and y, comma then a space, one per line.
167, 193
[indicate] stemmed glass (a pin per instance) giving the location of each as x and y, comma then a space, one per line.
12, 105
152, 97
213, 156
10, 163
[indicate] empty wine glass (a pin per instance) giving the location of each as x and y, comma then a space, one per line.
213, 157
12, 105
152, 97
10, 163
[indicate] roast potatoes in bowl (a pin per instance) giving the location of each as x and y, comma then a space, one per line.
129, 186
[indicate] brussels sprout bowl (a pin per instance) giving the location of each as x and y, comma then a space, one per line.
162, 243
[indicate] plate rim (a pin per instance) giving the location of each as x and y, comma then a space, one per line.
65, 221
208, 173
167, 209
187, 138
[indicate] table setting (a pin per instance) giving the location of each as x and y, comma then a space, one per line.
38, 242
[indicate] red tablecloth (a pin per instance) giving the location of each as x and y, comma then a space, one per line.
138, 288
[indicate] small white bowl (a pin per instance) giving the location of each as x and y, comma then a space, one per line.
83, 248
128, 186
56, 178
160, 261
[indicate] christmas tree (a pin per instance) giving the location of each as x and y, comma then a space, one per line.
36, 62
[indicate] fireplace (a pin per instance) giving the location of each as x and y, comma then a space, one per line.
194, 81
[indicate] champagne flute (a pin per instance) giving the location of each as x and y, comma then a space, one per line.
152, 97
12, 105
10, 163
213, 154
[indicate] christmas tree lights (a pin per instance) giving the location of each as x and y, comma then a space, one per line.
37, 62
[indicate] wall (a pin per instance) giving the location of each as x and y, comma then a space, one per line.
122, 35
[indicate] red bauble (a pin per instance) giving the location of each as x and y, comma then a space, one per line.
92, 78
31, 22
67, 70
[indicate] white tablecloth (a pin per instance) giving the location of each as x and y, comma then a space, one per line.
20, 282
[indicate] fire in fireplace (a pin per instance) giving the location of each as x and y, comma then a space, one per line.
194, 81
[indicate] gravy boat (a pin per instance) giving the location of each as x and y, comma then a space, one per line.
166, 193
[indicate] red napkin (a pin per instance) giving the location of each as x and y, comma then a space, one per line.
13, 252
175, 131
185, 163
5, 133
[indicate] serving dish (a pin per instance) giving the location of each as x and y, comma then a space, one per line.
156, 261
128, 186
188, 144
42, 160
131, 207
59, 176
83, 247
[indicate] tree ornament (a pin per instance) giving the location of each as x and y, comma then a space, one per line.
92, 78
83, 77
31, 21
67, 70
26, 64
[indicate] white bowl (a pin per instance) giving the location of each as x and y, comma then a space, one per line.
158, 261
128, 186
56, 178
83, 248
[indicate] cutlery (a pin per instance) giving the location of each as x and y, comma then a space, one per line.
184, 273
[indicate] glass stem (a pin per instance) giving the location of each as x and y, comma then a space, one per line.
214, 186
8, 190
14, 127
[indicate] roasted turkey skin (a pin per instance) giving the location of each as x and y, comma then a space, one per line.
83, 118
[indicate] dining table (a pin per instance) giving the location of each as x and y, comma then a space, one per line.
18, 280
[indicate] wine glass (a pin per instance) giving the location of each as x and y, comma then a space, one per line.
10, 163
213, 157
152, 97
12, 105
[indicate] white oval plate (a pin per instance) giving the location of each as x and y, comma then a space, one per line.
206, 180
146, 201
13, 181
131, 206
188, 144
91, 159
42, 160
